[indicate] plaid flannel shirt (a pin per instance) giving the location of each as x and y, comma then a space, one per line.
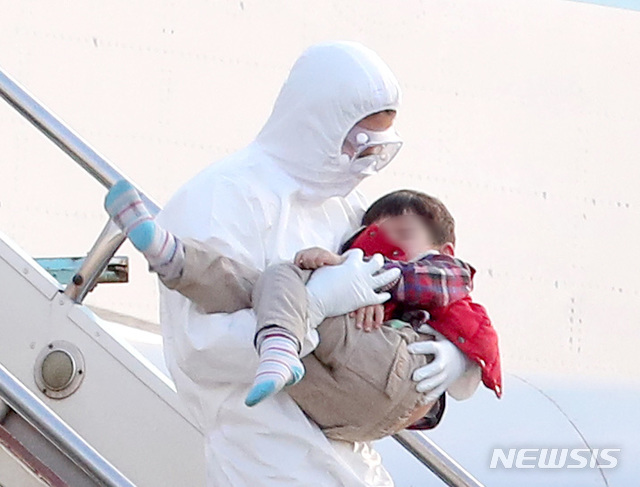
434, 280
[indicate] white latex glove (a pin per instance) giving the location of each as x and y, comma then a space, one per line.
448, 365
339, 289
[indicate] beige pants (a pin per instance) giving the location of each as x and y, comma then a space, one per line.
357, 385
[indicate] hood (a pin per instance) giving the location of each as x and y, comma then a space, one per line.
330, 88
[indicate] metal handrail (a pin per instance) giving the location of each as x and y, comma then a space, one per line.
110, 240
90, 160
38, 415
104, 248
436, 459
65, 138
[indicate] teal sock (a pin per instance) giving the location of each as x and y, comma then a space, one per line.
127, 210
279, 366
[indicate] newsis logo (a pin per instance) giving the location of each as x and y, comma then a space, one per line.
555, 458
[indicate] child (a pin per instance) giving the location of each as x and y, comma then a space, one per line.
346, 370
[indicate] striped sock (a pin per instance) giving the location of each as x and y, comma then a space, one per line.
279, 366
127, 210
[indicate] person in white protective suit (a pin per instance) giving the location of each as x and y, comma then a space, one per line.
289, 189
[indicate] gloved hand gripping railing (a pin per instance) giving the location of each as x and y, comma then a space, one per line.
111, 238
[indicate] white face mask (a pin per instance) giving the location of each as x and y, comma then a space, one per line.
368, 151
364, 153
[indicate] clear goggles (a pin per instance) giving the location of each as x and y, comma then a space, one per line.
369, 151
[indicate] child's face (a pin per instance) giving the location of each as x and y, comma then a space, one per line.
410, 233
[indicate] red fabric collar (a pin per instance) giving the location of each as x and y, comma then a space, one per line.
372, 240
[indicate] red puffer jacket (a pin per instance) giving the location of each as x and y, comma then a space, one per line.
463, 322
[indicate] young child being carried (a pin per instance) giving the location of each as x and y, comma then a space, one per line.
358, 385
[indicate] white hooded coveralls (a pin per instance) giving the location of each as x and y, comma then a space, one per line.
286, 191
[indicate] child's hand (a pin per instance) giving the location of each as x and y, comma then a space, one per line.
369, 318
315, 257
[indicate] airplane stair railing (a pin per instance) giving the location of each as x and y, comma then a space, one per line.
72, 144
110, 239
436, 459
56, 431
